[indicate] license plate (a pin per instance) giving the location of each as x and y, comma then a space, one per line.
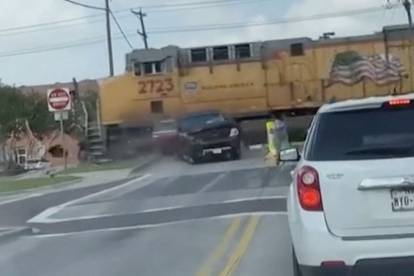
402, 200
217, 151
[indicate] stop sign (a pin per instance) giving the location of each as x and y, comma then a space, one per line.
59, 99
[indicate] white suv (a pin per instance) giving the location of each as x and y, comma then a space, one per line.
351, 204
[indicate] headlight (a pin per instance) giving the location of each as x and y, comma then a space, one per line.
234, 132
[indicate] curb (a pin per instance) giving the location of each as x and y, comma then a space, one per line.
147, 163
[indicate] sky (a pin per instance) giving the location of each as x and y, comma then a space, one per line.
27, 58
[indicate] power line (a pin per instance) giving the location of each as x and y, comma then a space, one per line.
48, 28
205, 6
121, 30
57, 26
85, 5
269, 22
82, 18
37, 28
56, 47
190, 4
48, 23
59, 46
195, 29
108, 29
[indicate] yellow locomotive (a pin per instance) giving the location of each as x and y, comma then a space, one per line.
258, 78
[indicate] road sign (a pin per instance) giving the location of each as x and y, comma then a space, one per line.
64, 115
59, 99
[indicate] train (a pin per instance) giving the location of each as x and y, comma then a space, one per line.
256, 79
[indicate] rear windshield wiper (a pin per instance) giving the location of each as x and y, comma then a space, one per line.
386, 150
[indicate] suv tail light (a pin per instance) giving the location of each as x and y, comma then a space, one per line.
308, 189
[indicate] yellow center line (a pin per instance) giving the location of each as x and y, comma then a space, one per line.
221, 248
241, 248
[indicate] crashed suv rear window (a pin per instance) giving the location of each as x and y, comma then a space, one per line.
363, 134
200, 121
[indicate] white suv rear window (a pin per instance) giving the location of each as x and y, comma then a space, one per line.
363, 134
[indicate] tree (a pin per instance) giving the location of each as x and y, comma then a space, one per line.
12, 110
16, 108
37, 113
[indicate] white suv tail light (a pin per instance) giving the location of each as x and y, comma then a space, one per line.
309, 192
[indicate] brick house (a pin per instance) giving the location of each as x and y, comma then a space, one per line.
25, 147
58, 145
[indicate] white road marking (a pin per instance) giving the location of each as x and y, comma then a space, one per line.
254, 198
213, 183
126, 191
256, 147
20, 198
43, 217
146, 226
122, 186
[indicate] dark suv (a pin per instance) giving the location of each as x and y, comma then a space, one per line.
207, 134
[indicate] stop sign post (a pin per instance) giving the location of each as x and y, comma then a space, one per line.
59, 102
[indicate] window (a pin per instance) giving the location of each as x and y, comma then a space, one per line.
166, 125
198, 55
157, 107
148, 68
22, 160
221, 53
296, 49
21, 156
363, 134
200, 121
152, 67
56, 151
243, 51
137, 69
157, 67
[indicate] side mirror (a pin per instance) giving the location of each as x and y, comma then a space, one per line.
289, 155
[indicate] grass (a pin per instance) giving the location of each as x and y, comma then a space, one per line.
9, 185
91, 167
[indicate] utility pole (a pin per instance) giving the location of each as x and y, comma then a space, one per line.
108, 28
109, 38
407, 6
143, 32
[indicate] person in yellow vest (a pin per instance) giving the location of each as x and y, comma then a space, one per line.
271, 141
277, 138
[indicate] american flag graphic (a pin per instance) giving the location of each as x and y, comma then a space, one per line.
351, 67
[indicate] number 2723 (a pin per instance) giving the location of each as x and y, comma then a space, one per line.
155, 86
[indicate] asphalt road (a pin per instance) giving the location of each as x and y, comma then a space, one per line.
225, 218
16, 211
